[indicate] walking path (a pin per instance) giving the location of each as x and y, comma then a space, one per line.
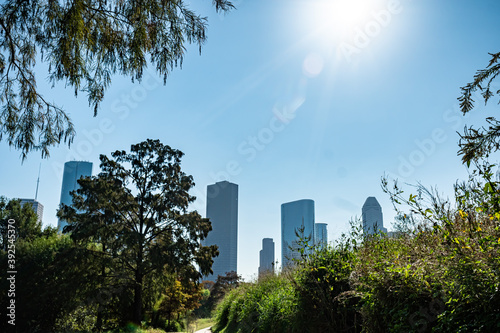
205, 330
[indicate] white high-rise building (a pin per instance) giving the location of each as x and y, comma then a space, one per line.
372, 217
320, 234
297, 217
222, 210
37, 207
266, 257
73, 171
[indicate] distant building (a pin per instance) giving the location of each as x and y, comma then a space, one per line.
222, 210
320, 234
372, 217
266, 257
295, 216
37, 207
73, 171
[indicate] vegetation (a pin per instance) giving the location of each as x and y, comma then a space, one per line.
216, 292
84, 43
134, 250
441, 277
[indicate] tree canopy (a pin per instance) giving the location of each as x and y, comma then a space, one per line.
27, 224
84, 43
135, 210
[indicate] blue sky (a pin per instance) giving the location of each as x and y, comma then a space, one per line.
294, 99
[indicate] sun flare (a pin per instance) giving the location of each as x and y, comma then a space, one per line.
340, 17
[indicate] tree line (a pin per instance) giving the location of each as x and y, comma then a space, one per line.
131, 251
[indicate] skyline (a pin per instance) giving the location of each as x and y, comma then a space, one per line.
275, 110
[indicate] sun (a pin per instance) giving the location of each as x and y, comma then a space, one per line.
338, 18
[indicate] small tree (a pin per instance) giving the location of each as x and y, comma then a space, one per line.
176, 300
220, 288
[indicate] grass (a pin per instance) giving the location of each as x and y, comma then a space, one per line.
202, 323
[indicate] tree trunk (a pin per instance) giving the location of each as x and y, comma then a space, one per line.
100, 307
139, 275
138, 298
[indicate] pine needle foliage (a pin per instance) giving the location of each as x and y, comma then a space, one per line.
84, 43
480, 143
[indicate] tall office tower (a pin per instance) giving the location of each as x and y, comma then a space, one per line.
222, 210
73, 171
372, 217
320, 234
266, 257
37, 207
295, 215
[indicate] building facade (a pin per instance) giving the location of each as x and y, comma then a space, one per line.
222, 210
73, 171
37, 207
266, 257
373, 221
297, 217
320, 234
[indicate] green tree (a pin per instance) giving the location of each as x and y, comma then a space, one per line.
176, 300
84, 43
27, 224
223, 285
480, 143
136, 209
47, 289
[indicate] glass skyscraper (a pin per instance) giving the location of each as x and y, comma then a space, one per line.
295, 215
266, 257
222, 210
372, 217
73, 171
320, 234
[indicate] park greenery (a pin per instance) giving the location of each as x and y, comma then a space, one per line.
438, 273
131, 253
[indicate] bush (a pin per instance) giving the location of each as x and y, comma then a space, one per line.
326, 303
267, 306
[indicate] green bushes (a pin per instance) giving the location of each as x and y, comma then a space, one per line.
268, 306
322, 283
442, 277
315, 297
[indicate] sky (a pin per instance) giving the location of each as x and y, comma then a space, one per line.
293, 99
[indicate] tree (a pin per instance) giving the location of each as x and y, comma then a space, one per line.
27, 224
46, 289
478, 143
220, 288
84, 43
136, 209
177, 300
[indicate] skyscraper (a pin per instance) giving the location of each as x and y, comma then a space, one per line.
372, 217
320, 234
266, 257
73, 171
37, 207
222, 210
295, 215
